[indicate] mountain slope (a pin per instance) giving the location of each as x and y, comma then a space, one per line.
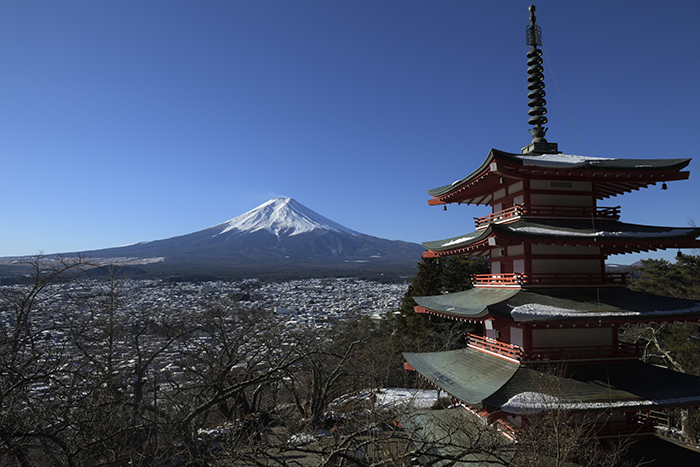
280, 233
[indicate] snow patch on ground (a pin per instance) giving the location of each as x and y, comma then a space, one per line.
301, 439
392, 398
415, 398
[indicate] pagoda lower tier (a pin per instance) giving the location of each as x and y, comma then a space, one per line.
613, 395
506, 373
542, 322
480, 379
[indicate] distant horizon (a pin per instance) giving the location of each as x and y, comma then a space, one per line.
125, 122
271, 200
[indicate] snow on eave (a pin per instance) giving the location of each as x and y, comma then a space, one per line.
559, 160
456, 241
535, 402
601, 233
538, 312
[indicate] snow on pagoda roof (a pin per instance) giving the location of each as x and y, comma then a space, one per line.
627, 231
567, 230
595, 387
523, 305
570, 160
540, 312
537, 402
476, 377
468, 304
472, 188
558, 159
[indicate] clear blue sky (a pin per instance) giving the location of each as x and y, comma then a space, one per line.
125, 121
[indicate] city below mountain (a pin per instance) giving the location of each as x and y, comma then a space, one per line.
281, 238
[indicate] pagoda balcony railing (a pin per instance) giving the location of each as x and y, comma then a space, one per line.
510, 351
621, 351
518, 279
558, 212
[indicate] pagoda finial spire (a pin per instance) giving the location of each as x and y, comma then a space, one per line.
535, 86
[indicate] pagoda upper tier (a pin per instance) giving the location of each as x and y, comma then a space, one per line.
545, 216
599, 177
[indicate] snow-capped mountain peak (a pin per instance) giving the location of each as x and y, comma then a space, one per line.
281, 216
277, 238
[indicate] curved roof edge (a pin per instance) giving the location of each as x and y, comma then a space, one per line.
595, 387
567, 161
605, 231
472, 303
549, 305
467, 374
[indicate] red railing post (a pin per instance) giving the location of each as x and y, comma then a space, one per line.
568, 279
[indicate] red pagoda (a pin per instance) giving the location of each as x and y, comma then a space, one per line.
548, 298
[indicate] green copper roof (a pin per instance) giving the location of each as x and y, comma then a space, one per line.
568, 230
467, 374
456, 242
476, 377
614, 304
472, 303
595, 387
569, 162
601, 230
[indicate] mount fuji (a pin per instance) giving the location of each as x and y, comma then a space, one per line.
281, 237
281, 217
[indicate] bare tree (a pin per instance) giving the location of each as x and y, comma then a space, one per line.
31, 365
87, 378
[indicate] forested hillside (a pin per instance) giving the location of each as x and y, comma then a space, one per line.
672, 345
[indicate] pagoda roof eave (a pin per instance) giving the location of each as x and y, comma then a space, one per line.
561, 305
615, 237
601, 230
616, 176
474, 239
472, 304
467, 374
476, 377
594, 387
482, 169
